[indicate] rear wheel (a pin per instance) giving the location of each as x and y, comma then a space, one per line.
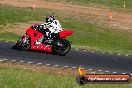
61, 47
21, 45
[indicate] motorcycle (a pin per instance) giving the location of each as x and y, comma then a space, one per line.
59, 46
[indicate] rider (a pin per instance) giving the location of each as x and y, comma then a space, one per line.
53, 26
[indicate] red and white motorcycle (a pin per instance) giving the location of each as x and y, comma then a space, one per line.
57, 46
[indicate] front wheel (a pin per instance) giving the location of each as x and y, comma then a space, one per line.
61, 47
23, 44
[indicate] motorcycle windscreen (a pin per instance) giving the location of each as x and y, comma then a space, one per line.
65, 33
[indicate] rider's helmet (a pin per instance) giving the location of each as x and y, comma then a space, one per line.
50, 19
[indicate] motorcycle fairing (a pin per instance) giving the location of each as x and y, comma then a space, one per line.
34, 35
65, 33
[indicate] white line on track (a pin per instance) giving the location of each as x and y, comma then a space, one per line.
103, 52
66, 66
48, 64
107, 71
56, 65
99, 70
39, 63
90, 69
93, 72
76, 49
73, 67
114, 72
13, 60
119, 54
1, 60
84, 50
29, 62
4, 59
82, 68
111, 53
21, 61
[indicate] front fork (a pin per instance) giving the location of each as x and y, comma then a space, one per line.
24, 39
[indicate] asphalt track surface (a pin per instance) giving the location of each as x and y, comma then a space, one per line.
75, 58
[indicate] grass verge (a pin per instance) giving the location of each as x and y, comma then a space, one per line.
85, 34
16, 76
108, 3
8, 36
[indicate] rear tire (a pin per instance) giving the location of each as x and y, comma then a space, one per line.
61, 47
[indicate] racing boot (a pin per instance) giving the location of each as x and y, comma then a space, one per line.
48, 39
39, 41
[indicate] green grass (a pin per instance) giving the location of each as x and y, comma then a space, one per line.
10, 14
8, 36
109, 3
98, 38
91, 36
20, 78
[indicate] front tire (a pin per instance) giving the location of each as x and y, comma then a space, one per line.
20, 45
61, 47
